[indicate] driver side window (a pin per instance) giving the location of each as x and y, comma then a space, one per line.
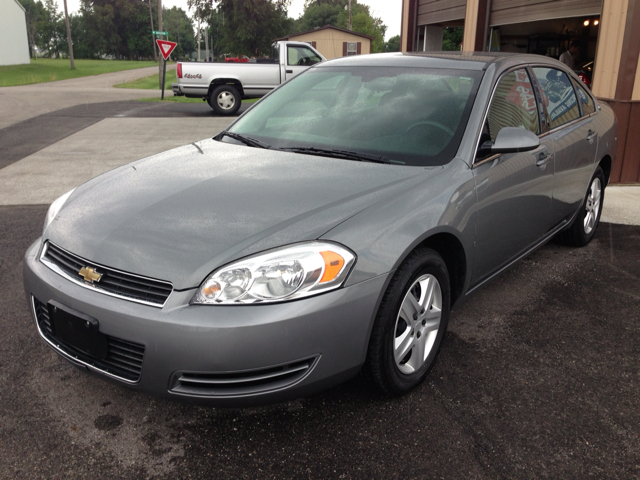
301, 56
513, 105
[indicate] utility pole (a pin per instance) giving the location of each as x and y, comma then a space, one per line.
198, 14
350, 27
160, 58
153, 40
66, 17
206, 43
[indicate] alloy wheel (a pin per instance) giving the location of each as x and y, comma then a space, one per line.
594, 200
417, 324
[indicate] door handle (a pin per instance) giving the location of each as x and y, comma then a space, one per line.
289, 71
543, 159
591, 135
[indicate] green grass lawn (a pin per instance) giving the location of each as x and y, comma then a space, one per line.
52, 69
151, 82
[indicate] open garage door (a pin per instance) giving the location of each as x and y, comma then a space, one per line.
504, 12
432, 12
432, 17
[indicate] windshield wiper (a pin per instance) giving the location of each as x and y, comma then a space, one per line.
328, 152
252, 142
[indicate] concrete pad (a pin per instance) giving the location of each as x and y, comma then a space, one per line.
42, 177
621, 205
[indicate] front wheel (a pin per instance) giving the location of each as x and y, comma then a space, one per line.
586, 222
225, 100
411, 323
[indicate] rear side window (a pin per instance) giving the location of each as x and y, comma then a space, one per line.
513, 105
558, 96
586, 102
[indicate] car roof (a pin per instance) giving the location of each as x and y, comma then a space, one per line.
451, 60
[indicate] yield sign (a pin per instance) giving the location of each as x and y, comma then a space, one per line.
166, 47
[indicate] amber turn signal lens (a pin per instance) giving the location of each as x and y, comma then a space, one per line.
333, 263
211, 290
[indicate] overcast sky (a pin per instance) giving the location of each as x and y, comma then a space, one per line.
388, 10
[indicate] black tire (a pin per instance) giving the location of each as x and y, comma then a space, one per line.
586, 222
225, 100
397, 377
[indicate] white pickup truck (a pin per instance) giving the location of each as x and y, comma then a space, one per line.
224, 85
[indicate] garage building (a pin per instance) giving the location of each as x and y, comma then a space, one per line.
14, 47
607, 30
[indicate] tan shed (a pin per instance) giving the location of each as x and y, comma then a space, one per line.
334, 42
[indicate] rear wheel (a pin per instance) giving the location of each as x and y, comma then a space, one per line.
411, 323
225, 100
586, 222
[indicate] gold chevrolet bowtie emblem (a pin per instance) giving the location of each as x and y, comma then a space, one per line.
90, 275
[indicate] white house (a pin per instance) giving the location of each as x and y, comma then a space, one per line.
14, 46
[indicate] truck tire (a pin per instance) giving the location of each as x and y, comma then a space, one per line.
225, 100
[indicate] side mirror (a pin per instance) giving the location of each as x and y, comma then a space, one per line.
512, 140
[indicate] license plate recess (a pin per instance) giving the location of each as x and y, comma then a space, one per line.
77, 330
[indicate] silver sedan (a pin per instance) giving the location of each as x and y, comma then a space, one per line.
331, 228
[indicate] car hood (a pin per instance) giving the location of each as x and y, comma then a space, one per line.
179, 215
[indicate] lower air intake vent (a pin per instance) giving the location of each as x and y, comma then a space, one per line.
241, 383
123, 360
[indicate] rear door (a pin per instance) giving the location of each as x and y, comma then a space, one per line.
513, 190
299, 58
572, 130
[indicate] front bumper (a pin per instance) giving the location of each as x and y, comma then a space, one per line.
223, 355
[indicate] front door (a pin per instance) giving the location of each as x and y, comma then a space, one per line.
514, 190
299, 58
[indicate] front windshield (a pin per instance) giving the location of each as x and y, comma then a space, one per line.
411, 116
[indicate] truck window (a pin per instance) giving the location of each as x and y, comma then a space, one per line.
275, 52
297, 55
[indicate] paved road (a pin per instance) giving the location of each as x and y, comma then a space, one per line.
76, 144
27, 101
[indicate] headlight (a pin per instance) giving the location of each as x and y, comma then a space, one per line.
282, 274
55, 208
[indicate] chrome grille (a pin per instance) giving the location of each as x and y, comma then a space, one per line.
124, 359
113, 282
241, 383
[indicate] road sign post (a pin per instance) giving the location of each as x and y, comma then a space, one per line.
165, 48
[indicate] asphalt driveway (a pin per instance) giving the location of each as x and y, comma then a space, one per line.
538, 377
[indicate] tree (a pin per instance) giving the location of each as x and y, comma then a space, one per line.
452, 38
249, 26
118, 27
393, 45
50, 28
35, 12
180, 28
319, 13
82, 47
